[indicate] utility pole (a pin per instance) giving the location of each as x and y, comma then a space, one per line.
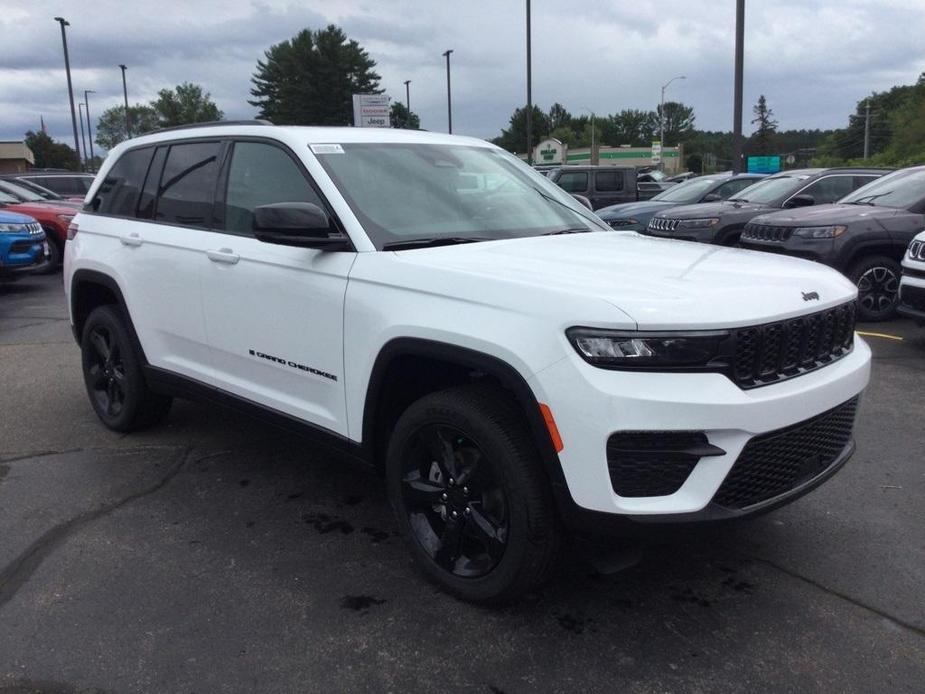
408, 97
70, 90
89, 129
593, 159
80, 117
867, 129
449, 97
128, 123
737, 99
529, 94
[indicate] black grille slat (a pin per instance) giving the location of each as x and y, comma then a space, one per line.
774, 463
776, 351
766, 232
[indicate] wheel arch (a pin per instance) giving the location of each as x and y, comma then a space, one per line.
444, 365
91, 288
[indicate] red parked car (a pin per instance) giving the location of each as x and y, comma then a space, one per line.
54, 219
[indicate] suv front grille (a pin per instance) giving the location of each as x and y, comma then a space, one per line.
766, 232
913, 297
663, 224
773, 352
774, 463
917, 250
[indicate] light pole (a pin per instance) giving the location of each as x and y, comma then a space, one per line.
737, 89
80, 117
89, 129
70, 90
128, 125
408, 96
585, 108
529, 94
661, 121
449, 95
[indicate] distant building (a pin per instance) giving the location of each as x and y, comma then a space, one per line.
15, 156
552, 152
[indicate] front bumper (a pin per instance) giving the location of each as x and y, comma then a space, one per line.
15, 263
590, 404
819, 250
912, 294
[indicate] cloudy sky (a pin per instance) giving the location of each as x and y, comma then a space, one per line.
813, 59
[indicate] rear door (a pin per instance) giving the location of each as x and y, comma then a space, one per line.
274, 314
609, 188
156, 206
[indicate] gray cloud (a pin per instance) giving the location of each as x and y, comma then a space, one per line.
813, 59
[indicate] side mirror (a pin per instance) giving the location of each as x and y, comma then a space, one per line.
302, 224
802, 200
712, 197
583, 200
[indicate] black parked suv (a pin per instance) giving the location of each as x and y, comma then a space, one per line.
864, 236
722, 222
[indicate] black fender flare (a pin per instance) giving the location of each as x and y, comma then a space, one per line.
84, 276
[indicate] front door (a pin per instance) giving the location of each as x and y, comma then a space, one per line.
274, 314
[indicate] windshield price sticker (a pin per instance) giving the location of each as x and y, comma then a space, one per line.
327, 149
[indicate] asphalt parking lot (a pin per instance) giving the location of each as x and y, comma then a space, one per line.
216, 554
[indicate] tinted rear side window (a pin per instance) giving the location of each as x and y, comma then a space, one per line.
608, 181
188, 184
573, 181
118, 193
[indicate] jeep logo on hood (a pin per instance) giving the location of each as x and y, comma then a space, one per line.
810, 296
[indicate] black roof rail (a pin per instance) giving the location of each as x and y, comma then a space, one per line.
210, 124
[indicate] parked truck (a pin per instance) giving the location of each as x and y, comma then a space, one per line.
606, 185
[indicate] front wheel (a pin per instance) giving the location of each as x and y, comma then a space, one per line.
877, 279
466, 483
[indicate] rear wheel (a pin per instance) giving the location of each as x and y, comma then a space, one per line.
55, 253
466, 484
877, 279
113, 377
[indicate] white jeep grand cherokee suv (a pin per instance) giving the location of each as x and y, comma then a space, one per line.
430, 304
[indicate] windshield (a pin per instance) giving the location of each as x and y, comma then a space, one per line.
7, 199
20, 192
899, 189
689, 191
404, 192
770, 189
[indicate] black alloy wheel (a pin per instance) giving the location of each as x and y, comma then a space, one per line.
112, 374
457, 509
470, 494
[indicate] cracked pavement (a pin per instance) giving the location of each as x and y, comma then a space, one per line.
217, 554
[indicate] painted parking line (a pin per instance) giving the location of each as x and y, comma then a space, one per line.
883, 335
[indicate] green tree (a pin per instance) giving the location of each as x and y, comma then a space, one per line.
401, 117
110, 128
311, 78
678, 122
514, 138
50, 154
186, 103
628, 127
558, 116
762, 140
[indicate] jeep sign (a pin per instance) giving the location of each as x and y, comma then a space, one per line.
371, 110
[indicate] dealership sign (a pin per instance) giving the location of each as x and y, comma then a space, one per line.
371, 110
656, 152
550, 151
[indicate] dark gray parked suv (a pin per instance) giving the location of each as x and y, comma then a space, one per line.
864, 236
722, 222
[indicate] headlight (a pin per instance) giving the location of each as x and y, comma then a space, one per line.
628, 350
829, 232
617, 223
704, 223
14, 228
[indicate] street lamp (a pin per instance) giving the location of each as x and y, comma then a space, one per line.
80, 117
70, 90
449, 98
128, 126
89, 129
585, 108
661, 121
408, 96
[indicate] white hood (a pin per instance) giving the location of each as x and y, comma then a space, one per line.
661, 284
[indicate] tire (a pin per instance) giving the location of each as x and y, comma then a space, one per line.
55, 254
467, 451
877, 279
113, 377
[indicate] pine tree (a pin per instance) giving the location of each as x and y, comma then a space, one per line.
762, 141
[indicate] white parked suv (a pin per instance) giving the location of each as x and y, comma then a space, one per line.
912, 286
431, 305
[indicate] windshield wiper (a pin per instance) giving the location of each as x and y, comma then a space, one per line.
569, 230
866, 199
431, 242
